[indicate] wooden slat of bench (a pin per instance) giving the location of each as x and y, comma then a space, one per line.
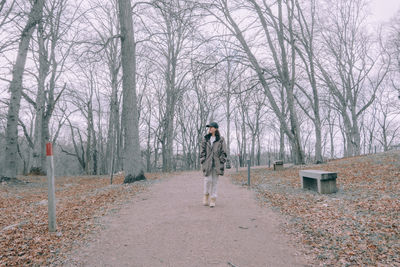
317, 174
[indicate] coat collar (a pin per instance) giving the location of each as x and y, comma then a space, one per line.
208, 136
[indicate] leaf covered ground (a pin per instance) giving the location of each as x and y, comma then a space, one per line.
24, 236
357, 226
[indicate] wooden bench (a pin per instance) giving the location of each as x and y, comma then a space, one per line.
278, 165
321, 181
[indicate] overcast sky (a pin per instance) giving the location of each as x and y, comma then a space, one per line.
383, 10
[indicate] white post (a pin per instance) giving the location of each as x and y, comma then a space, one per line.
51, 188
248, 170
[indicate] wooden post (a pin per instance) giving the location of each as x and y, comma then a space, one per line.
248, 170
51, 188
112, 162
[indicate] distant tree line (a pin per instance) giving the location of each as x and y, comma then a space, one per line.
120, 85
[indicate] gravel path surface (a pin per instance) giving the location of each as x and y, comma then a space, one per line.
169, 226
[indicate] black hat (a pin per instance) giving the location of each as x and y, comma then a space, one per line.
213, 124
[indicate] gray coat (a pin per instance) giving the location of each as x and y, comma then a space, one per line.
216, 153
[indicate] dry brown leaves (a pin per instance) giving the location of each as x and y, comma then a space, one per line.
24, 236
357, 226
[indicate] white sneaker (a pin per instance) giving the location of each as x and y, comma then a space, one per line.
212, 202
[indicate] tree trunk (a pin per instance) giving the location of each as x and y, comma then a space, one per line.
281, 143
281, 129
356, 134
253, 149
228, 110
170, 113
101, 161
94, 148
258, 149
10, 164
148, 149
118, 135
156, 154
114, 117
228, 123
318, 142
132, 157
38, 145
244, 143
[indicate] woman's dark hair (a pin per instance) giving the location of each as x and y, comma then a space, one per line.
217, 133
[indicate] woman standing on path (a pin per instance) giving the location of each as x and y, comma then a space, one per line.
212, 158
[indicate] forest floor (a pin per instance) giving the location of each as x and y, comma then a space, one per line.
163, 223
357, 226
81, 202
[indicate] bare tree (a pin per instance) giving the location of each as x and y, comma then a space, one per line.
171, 40
9, 168
306, 37
187, 136
133, 166
351, 75
103, 20
253, 118
392, 49
285, 72
331, 121
388, 114
6, 19
51, 49
148, 107
242, 104
231, 70
79, 150
205, 103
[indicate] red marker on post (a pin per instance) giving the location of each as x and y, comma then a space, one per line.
49, 149
51, 188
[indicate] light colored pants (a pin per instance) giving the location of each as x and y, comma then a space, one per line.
210, 184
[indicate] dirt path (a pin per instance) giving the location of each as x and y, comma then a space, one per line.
168, 226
